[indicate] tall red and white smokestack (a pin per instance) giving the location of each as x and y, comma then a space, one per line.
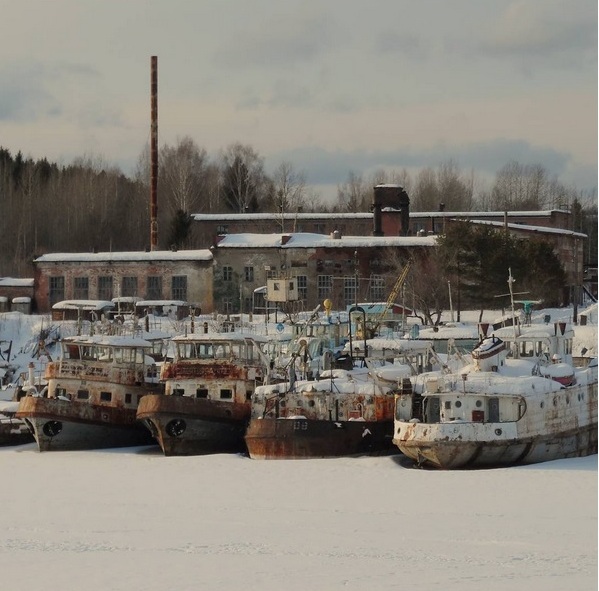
154, 155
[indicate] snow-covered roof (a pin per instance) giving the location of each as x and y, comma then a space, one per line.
15, 282
245, 217
83, 305
144, 303
102, 257
248, 217
309, 240
529, 228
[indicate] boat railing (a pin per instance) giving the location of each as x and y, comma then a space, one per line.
96, 371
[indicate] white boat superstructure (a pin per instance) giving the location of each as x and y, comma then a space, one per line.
521, 400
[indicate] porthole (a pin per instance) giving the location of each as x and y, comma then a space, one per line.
311, 403
52, 428
176, 427
498, 432
479, 403
458, 403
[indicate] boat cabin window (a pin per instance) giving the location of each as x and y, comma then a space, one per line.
178, 391
222, 351
104, 354
106, 396
127, 398
88, 353
71, 352
128, 355
226, 393
202, 393
532, 348
195, 351
82, 394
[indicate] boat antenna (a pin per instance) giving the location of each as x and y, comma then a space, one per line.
510, 282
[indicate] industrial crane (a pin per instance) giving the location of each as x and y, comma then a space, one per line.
392, 296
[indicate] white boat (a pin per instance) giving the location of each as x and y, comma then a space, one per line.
522, 400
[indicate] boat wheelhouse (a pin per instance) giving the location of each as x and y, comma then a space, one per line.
208, 386
92, 394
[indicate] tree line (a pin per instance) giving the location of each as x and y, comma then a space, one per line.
89, 204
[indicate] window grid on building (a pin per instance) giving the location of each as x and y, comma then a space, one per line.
56, 289
227, 273
349, 290
129, 287
154, 288
325, 286
248, 273
105, 288
377, 288
179, 287
81, 288
302, 287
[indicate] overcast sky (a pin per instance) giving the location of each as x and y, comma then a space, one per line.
330, 86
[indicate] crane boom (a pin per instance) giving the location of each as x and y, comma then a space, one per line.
394, 293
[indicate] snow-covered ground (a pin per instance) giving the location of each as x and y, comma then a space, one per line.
129, 519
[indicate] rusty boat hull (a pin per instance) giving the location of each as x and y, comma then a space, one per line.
69, 425
300, 438
185, 426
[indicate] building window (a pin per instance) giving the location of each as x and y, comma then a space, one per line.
227, 273
81, 288
222, 229
227, 305
325, 286
56, 289
319, 229
154, 288
129, 287
302, 287
249, 273
349, 290
105, 288
377, 288
271, 273
179, 287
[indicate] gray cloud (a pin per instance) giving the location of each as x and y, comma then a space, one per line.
559, 33
332, 167
286, 42
32, 91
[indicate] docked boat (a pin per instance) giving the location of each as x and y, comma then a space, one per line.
521, 401
92, 394
345, 412
13, 431
207, 389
